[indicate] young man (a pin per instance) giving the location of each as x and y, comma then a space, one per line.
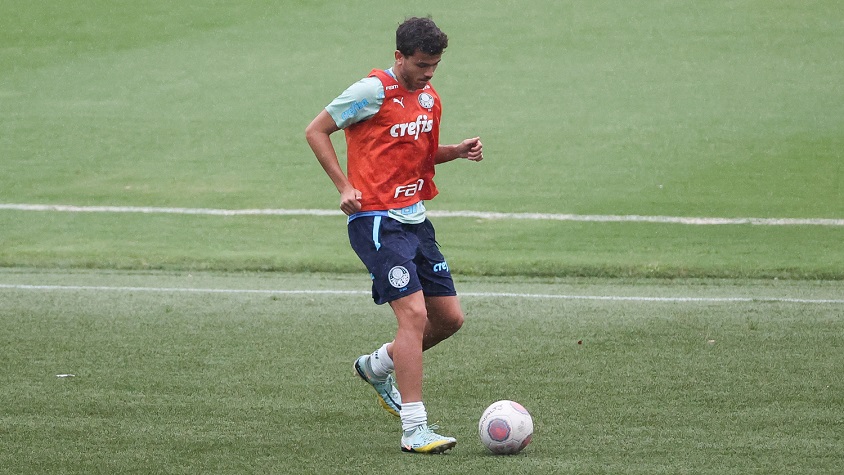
391, 121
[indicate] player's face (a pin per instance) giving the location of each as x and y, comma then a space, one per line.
416, 70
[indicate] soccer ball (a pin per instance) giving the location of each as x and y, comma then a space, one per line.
505, 427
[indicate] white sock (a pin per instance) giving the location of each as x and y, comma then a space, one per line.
381, 363
413, 414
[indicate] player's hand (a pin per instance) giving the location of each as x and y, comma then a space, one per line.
474, 149
350, 201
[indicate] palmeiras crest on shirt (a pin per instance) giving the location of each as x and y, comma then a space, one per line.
426, 100
399, 277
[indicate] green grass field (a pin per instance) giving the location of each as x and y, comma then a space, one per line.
720, 109
715, 109
170, 381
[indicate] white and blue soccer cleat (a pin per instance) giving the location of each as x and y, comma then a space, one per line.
388, 396
423, 440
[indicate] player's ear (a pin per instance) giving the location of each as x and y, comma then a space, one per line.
399, 57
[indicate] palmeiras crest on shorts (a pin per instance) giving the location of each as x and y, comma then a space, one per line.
399, 277
426, 100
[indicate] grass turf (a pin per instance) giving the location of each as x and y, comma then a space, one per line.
654, 108
723, 109
180, 382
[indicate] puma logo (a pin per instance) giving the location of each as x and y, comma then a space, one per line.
399, 101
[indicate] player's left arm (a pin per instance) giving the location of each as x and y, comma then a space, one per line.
470, 149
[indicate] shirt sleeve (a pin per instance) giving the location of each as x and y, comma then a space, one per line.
359, 102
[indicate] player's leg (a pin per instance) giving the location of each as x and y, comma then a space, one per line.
375, 240
445, 317
411, 316
417, 435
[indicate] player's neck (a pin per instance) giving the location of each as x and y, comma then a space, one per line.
398, 77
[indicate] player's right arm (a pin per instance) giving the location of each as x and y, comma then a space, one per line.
358, 102
318, 135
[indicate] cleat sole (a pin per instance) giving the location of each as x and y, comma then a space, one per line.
436, 449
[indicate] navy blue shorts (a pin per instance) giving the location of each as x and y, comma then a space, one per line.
401, 258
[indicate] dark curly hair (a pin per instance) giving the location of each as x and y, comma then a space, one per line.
420, 34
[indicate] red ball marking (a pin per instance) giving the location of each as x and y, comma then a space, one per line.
498, 430
526, 442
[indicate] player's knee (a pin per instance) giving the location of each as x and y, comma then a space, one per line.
413, 317
455, 321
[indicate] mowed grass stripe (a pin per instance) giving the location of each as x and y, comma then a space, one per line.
698, 221
620, 298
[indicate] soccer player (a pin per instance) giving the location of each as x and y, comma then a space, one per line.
391, 121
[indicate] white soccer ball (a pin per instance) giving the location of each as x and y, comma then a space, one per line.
505, 427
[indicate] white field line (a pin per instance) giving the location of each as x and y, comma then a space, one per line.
599, 218
616, 298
